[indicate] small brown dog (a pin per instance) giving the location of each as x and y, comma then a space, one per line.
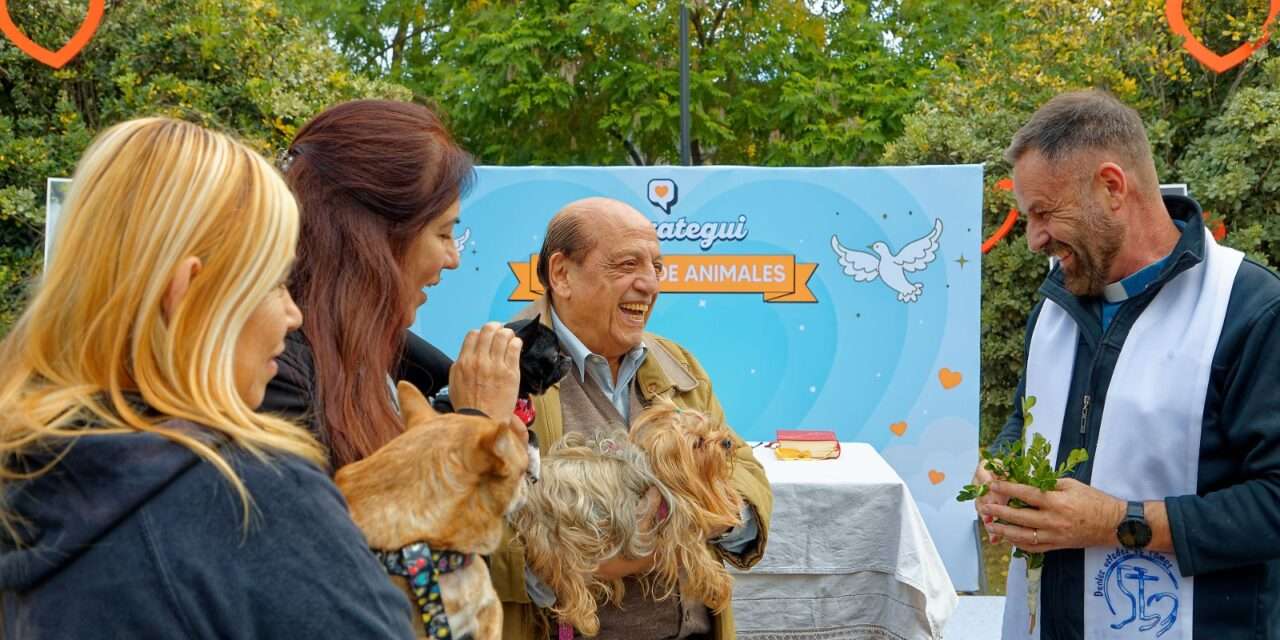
596, 500
693, 459
447, 481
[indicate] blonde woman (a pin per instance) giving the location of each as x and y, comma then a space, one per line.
143, 496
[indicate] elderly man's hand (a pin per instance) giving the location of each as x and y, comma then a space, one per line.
486, 375
1072, 516
616, 567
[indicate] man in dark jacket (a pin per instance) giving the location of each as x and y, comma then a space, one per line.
1155, 349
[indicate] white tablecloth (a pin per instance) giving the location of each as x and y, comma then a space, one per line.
848, 556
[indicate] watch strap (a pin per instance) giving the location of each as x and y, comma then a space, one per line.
1135, 510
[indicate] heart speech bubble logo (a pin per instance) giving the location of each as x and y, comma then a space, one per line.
55, 59
664, 194
1216, 63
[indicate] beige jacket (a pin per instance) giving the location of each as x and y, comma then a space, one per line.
668, 370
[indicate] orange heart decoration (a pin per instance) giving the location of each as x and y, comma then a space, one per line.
949, 378
661, 190
1216, 63
55, 59
898, 428
936, 477
1006, 226
1215, 225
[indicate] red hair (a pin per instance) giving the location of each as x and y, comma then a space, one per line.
368, 175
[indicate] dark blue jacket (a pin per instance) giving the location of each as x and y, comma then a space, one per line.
1228, 534
133, 536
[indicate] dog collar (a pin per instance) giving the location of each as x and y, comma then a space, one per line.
524, 411
423, 567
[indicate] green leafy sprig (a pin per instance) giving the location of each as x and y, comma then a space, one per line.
1024, 465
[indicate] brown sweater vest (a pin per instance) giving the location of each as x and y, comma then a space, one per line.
586, 408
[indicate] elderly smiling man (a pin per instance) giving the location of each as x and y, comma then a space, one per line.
599, 264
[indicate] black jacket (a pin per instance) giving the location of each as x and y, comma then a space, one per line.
1228, 534
133, 536
292, 393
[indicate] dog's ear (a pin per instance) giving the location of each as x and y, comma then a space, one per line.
526, 328
413, 405
498, 451
480, 456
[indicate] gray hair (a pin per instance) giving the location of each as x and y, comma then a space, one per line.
567, 234
1091, 120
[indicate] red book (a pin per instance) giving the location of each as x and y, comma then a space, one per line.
806, 436
814, 445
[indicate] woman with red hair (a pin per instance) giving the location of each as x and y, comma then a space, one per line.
378, 185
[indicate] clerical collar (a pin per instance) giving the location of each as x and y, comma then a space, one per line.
1138, 281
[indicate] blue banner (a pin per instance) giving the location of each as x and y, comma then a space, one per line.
828, 298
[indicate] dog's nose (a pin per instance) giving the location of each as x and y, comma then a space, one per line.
726, 444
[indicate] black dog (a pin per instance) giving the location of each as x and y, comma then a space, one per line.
541, 366
541, 363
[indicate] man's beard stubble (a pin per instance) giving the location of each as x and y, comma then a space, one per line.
1093, 251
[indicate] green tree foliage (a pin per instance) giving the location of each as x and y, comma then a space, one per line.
241, 66
584, 82
1232, 166
1212, 131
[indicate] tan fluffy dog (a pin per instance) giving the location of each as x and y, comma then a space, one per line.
596, 500
693, 458
448, 481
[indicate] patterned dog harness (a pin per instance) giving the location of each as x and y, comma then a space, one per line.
423, 567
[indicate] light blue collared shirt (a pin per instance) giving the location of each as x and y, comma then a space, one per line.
1116, 293
596, 366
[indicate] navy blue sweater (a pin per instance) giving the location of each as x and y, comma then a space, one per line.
133, 536
1228, 534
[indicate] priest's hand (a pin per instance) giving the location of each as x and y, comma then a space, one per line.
1072, 516
983, 476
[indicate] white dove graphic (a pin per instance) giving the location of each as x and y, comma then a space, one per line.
892, 269
461, 242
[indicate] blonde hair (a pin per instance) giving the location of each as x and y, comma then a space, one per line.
588, 507
146, 195
693, 457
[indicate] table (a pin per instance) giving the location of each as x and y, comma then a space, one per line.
848, 556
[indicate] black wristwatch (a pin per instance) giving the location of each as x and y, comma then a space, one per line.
1133, 532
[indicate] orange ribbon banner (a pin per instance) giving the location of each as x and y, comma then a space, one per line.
779, 278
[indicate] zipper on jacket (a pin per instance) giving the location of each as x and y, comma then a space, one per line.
1088, 391
1087, 399
1088, 387
1084, 416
